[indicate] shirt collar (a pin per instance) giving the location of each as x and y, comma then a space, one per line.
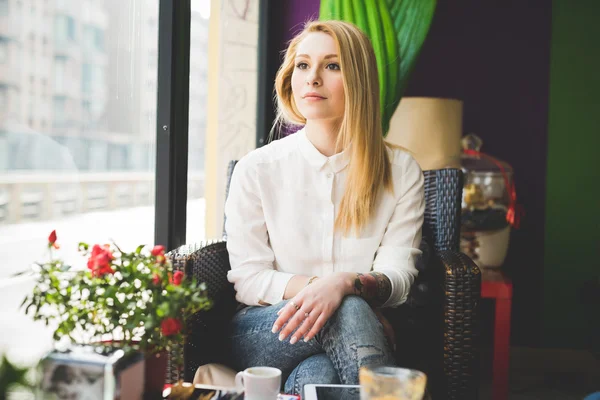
318, 160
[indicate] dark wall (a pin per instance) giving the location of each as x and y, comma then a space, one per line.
296, 13
493, 55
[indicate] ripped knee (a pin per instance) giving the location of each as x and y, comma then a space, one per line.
368, 354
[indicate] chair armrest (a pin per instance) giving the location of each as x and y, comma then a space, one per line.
207, 262
435, 327
462, 288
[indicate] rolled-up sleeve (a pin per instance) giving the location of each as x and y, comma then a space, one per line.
252, 273
400, 244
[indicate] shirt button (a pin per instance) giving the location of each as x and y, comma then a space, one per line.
329, 175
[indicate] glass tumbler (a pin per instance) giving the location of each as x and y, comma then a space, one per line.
391, 383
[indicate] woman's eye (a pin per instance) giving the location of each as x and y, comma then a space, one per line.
302, 65
333, 66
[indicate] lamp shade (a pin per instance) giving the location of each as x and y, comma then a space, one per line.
431, 129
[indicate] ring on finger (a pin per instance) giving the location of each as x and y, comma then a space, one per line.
306, 315
295, 305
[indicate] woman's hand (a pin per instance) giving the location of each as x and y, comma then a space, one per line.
312, 307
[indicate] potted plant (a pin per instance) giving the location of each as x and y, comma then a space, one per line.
134, 300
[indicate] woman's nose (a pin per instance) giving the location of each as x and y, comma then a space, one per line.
313, 79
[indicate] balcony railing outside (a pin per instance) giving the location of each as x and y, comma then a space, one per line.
42, 196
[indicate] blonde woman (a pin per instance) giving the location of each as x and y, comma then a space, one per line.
323, 225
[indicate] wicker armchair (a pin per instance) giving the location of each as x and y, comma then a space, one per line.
435, 327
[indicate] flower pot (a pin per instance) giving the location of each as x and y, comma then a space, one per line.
98, 371
155, 371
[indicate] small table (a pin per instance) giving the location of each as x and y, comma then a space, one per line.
496, 285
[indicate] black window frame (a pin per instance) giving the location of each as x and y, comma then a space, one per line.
173, 107
172, 118
271, 29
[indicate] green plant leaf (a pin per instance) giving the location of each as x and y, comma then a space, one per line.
11, 375
411, 19
163, 309
24, 302
111, 292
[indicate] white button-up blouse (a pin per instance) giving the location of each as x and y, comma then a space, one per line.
280, 215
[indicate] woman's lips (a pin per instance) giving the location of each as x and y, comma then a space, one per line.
314, 98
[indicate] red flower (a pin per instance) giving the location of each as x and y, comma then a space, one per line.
158, 250
99, 261
170, 326
52, 240
156, 279
177, 278
159, 253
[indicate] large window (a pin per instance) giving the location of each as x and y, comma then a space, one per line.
91, 101
78, 99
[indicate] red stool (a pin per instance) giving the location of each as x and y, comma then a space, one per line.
495, 285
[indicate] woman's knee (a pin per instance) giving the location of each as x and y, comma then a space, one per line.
354, 307
355, 321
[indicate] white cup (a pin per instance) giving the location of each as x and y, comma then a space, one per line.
259, 383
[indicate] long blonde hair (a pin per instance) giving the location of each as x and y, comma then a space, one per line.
370, 167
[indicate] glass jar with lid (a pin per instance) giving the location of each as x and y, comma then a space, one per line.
487, 204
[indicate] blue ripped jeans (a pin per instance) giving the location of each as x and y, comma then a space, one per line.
353, 337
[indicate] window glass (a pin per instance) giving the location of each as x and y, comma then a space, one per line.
77, 141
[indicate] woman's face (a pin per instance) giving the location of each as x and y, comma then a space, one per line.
317, 84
